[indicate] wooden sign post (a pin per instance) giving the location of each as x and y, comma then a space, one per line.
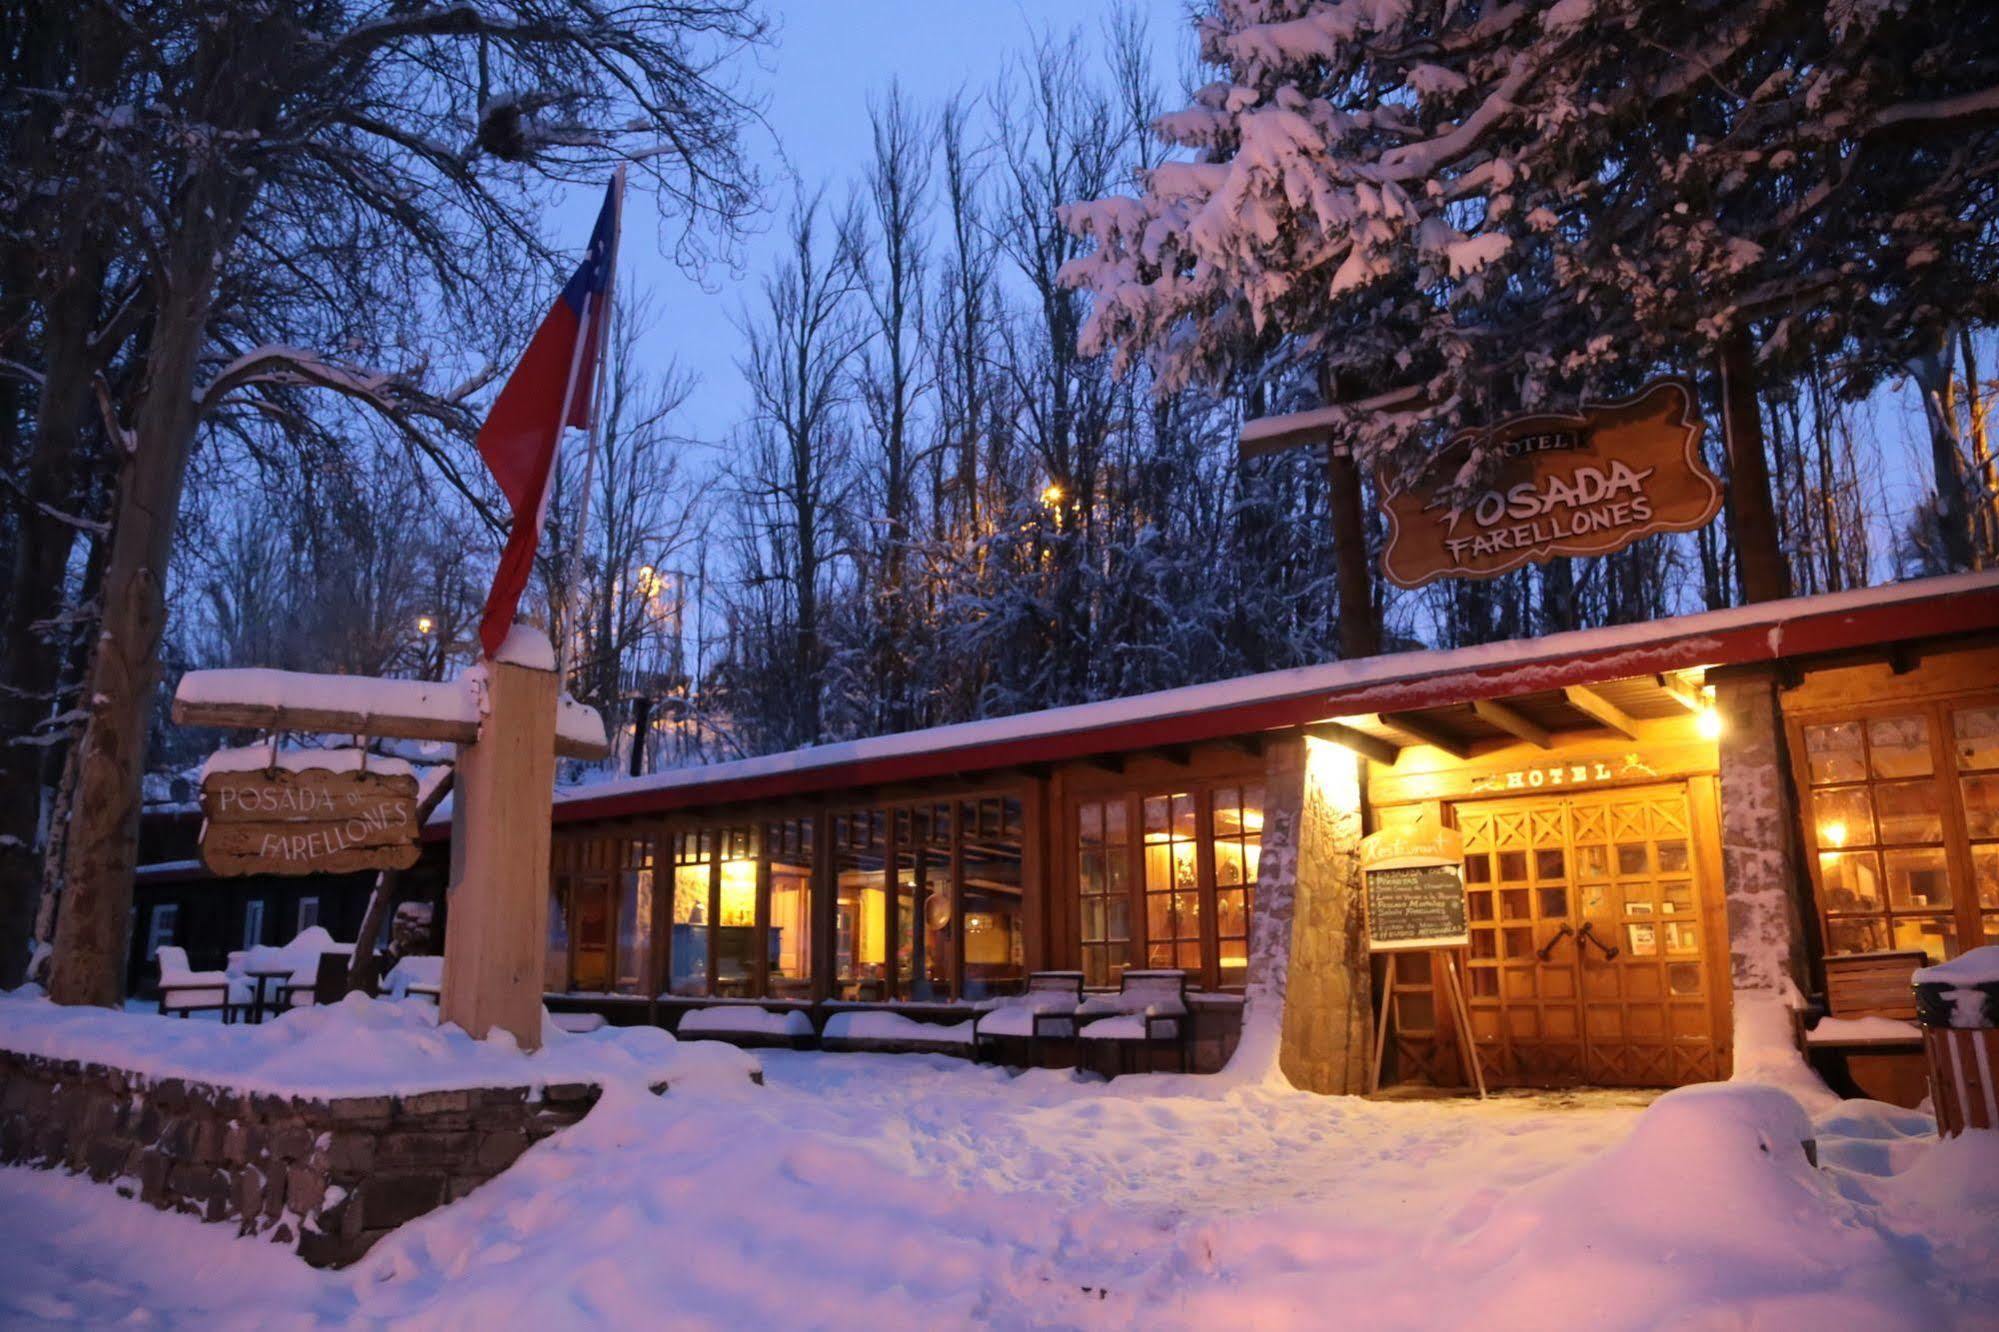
510, 725
496, 932
1414, 892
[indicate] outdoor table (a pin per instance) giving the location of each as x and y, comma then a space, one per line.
258, 979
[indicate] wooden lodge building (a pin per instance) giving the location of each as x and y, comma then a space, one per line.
1668, 828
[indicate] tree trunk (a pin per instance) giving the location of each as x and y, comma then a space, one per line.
1984, 484
1752, 520
1360, 621
103, 837
1938, 385
30, 665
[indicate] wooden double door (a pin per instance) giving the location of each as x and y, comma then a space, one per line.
1599, 947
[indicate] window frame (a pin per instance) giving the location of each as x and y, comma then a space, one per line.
1202, 789
1967, 917
760, 820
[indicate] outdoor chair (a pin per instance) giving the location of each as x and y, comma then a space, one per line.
1046, 1010
1148, 1011
420, 977
184, 990
1870, 1009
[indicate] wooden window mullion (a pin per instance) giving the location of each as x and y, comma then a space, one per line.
892, 886
714, 910
1960, 873
958, 808
1204, 872
760, 848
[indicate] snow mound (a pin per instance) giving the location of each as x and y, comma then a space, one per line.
527, 646
357, 1047
1974, 966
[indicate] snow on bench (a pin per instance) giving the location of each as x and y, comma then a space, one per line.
1871, 1030
743, 1020
883, 1026
357, 1047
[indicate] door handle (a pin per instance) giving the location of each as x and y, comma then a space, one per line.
1587, 935
1545, 949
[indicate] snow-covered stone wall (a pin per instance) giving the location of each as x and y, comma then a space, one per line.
331, 1176
1760, 869
1319, 982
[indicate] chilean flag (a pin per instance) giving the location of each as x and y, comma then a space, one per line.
551, 388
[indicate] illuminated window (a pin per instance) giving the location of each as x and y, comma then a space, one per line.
789, 945
1237, 815
1172, 882
693, 860
1906, 851
860, 948
991, 835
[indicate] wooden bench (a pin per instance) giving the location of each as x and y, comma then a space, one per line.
1044, 1011
1874, 993
1148, 1011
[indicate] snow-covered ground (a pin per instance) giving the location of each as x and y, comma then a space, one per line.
900, 1191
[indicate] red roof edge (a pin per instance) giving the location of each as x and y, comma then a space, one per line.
1795, 629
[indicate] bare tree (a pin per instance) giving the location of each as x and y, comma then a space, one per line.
245, 123
792, 476
887, 243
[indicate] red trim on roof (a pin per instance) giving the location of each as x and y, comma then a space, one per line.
1797, 628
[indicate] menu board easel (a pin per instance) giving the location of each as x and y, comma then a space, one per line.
1414, 891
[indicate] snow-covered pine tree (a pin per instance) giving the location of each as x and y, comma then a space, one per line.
1454, 209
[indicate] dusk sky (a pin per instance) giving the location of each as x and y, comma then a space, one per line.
829, 58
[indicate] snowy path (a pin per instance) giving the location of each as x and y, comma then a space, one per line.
907, 1191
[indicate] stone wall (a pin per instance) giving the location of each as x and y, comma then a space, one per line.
1329, 1006
1761, 869
1308, 947
328, 1176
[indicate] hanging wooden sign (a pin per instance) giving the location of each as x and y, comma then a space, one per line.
318, 811
1587, 484
1414, 889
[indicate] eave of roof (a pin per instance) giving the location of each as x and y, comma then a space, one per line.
1766, 632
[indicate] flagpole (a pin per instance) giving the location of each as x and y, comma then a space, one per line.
566, 658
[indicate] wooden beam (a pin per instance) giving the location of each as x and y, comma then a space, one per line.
1512, 722
1682, 691
1423, 732
1372, 747
333, 721
1251, 744
1601, 710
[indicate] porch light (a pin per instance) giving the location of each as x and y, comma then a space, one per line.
1707, 723
424, 624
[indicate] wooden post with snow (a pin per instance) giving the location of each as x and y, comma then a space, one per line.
496, 929
510, 723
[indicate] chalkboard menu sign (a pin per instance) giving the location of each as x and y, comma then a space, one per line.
1416, 906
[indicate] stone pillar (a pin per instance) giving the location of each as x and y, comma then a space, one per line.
1760, 866
1309, 990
